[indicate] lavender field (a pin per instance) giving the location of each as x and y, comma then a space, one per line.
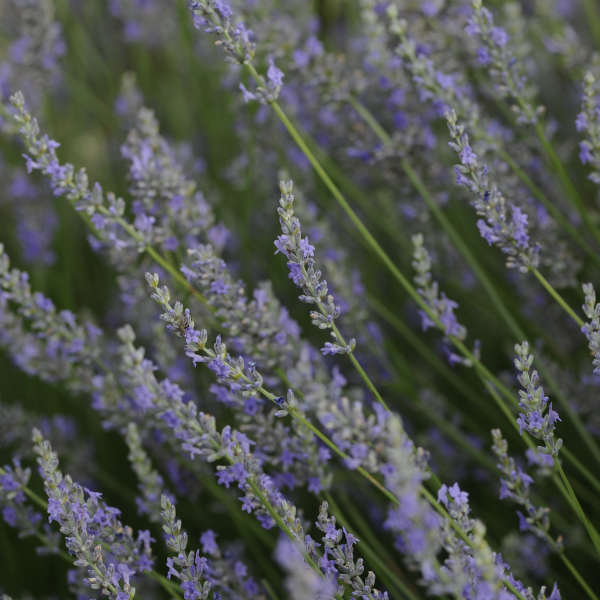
297, 299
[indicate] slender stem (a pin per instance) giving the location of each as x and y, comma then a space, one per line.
281, 524
274, 515
456, 435
559, 299
442, 511
581, 468
457, 240
592, 532
582, 582
369, 383
364, 473
370, 120
44, 539
269, 589
165, 583
365, 233
488, 377
158, 258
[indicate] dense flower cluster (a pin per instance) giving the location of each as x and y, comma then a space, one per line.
506, 69
93, 533
503, 223
305, 273
537, 416
588, 123
338, 558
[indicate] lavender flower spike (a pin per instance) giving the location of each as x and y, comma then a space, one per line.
93, 533
217, 17
338, 558
515, 486
537, 417
591, 329
305, 273
503, 224
440, 305
106, 211
505, 68
588, 122
190, 568
15, 510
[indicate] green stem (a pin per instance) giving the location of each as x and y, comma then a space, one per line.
165, 583
457, 436
442, 511
158, 258
582, 582
592, 532
556, 296
423, 349
257, 491
368, 382
44, 539
269, 589
474, 264
487, 377
581, 468
377, 484
331, 186
456, 238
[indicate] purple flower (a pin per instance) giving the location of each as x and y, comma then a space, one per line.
499, 36
209, 542
467, 156
274, 75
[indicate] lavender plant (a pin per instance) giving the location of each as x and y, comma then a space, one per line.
152, 338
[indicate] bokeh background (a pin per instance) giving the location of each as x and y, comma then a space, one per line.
109, 57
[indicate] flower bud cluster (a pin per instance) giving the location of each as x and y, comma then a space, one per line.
591, 329
537, 416
305, 273
338, 558
515, 485
94, 536
506, 70
502, 223
588, 123
106, 211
